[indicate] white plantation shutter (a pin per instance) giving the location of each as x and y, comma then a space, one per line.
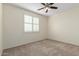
31, 24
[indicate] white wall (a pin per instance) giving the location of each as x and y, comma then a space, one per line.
65, 26
14, 34
0, 29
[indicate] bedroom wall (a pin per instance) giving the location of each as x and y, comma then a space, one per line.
14, 34
65, 26
1, 29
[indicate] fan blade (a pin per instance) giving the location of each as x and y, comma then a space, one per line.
52, 7
46, 10
41, 8
43, 4
51, 3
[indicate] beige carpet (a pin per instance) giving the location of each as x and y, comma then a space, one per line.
43, 48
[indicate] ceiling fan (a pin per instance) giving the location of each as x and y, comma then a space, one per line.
48, 6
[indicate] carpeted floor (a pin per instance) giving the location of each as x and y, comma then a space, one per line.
43, 48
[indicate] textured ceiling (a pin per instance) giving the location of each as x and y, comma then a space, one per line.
34, 6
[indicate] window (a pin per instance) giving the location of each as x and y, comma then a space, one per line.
31, 24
